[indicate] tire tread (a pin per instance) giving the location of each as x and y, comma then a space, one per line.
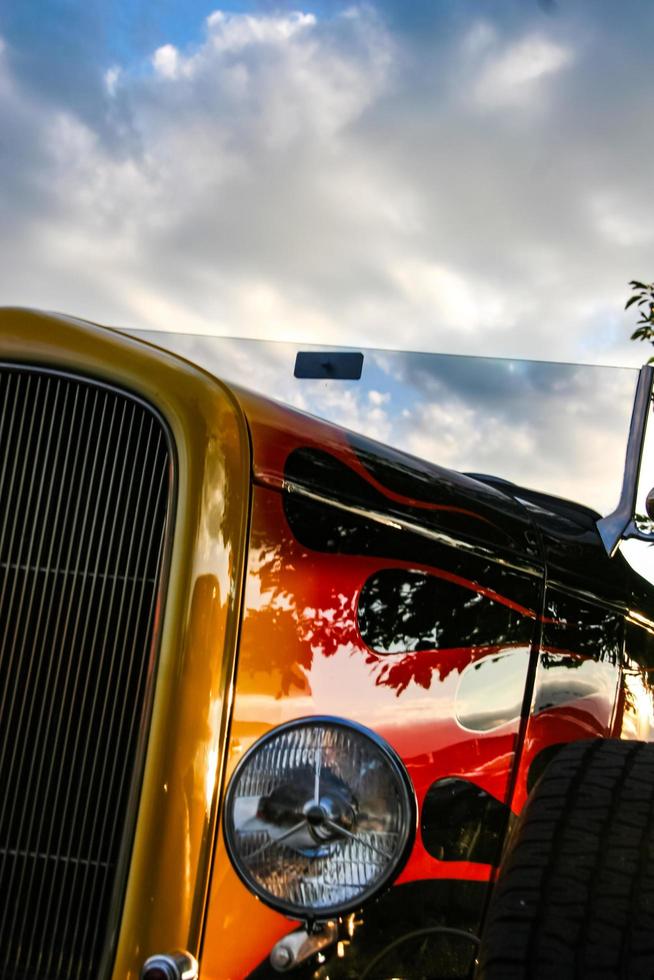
575, 897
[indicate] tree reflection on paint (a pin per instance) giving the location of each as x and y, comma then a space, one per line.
408, 611
437, 624
409, 625
290, 616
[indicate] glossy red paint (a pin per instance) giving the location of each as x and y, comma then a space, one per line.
302, 654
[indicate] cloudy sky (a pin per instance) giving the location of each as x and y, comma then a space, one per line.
463, 176
453, 175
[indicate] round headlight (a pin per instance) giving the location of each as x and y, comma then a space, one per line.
319, 817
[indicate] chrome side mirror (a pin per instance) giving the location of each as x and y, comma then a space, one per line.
634, 515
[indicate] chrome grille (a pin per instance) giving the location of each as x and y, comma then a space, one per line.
84, 488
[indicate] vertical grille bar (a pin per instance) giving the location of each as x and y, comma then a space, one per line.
84, 497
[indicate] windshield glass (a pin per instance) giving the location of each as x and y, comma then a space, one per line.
558, 428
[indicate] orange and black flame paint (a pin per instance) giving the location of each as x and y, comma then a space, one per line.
411, 599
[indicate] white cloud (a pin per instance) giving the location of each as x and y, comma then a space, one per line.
461, 437
166, 61
233, 32
620, 221
454, 300
513, 76
378, 397
112, 79
323, 178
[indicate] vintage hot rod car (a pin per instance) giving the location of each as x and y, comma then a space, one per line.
278, 698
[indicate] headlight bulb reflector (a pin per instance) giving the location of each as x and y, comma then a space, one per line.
319, 817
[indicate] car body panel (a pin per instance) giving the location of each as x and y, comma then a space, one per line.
314, 548
473, 624
163, 904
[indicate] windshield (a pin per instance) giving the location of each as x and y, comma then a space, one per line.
558, 428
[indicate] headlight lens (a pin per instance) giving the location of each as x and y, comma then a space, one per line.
319, 816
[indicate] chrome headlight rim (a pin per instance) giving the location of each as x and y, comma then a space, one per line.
408, 803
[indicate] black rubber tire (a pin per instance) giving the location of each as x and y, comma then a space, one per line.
575, 896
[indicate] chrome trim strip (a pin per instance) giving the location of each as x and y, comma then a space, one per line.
402, 524
586, 595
